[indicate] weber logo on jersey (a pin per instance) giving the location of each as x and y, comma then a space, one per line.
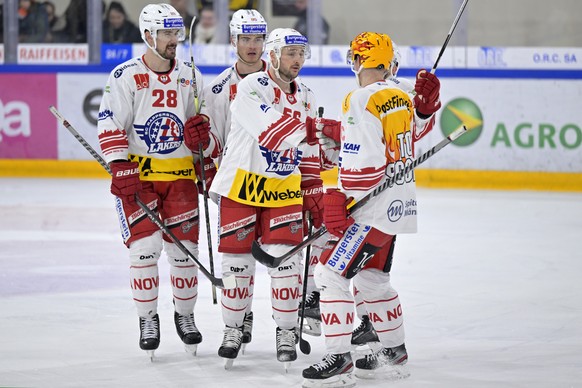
162, 133
281, 163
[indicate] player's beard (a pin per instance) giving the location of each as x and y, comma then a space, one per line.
170, 52
288, 74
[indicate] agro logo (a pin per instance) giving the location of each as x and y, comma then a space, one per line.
462, 111
162, 133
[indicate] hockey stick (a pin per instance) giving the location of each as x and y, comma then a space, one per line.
272, 261
451, 30
202, 172
228, 282
303, 344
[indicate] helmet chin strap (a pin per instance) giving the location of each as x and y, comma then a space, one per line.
155, 48
277, 69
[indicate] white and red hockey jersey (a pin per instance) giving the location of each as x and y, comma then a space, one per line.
142, 117
265, 159
377, 143
421, 127
218, 95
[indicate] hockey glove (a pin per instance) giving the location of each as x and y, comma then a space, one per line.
313, 201
196, 131
125, 183
209, 173
427, 88
320, 128
335, 212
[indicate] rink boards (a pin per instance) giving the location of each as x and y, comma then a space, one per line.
526, 131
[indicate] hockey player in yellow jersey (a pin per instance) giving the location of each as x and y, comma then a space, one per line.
376, 143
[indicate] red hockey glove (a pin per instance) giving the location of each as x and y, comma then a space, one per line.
209, 173
196, 131
125, 181
427, 87
335, 212
319, 128
313, 201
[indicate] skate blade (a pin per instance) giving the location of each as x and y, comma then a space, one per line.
242, 348
286, 366
312, 327
346, 380
228, 362
386, 372
192, 349
151, 354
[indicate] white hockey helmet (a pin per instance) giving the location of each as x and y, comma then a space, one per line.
282, 37
396, 61
156, 17
247, 22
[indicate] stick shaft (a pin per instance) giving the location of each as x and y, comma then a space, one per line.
152, 216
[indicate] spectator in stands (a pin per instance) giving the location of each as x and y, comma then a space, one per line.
182, 7
32, 22
76, 21
1, 23
301, 23
56, 23
205, 30
117, 28
233, 5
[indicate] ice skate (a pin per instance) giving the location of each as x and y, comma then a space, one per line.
334, 370
312, 316
385, 364
188, 332
149, 338
247, 330
364, 333
286, 350
231, 343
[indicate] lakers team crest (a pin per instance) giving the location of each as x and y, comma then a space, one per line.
162, 133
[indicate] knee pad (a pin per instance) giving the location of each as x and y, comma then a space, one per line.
290, 266
175, 255
375, 283
243, 264
327, 280
147, 250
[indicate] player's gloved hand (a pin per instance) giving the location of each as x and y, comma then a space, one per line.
335, 212
125, 182
319, 128
196, 131
312, 192
427, 87
209, 173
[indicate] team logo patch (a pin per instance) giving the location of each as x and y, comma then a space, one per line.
263, 81
281, 162
163, 133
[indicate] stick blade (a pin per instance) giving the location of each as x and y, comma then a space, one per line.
262, 256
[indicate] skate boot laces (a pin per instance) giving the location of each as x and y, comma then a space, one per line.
150, 328
326, 362
186, 323
286, 339
232, 337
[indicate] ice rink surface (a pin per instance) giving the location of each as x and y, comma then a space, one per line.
490, 286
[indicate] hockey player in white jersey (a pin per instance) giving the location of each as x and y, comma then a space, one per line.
148, 130
267, 178
248, 34
376, 142
423, 124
